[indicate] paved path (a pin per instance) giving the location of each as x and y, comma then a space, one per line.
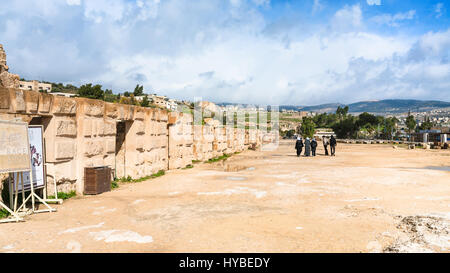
367, 198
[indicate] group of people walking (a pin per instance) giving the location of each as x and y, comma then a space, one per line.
311, 146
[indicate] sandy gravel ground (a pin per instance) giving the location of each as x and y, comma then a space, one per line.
369, 198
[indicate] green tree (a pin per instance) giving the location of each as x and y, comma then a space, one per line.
346, 128
92, 92
390, 127
108, 96
342, 112
145, 101
365, 119
426, 125
410, 123
308, 128
138, 90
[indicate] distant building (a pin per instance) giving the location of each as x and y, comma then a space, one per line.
160, 101
68, 95
139, 98
172, 105
427, 136
35, 86
321, 132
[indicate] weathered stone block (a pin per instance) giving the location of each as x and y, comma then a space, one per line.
164, 116
65, 150
172, 119
94, 127
66, 128
92, 148
45, 102
140, 127
110, 146
100, 127
87, 127
18, 100
111, 110
139, 114
98, 162
128, 112
63, 105
4, 98
32, 101
140, 144
140, 158
109, 128
93, 108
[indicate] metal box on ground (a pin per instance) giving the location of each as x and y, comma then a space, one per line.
97, 180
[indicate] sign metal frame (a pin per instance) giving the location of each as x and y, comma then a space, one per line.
14, 215
44, 169
33, 196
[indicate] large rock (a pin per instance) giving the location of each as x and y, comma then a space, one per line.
7, 79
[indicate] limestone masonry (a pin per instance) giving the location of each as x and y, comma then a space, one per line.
133, 141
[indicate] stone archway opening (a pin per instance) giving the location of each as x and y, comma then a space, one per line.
122, 128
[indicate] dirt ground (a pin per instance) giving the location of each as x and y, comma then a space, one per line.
369, 198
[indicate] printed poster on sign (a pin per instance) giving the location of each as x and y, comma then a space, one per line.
37, 161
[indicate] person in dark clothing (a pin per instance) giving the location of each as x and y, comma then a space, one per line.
307, 147
299, 146
333, 144
313, 147
325, 144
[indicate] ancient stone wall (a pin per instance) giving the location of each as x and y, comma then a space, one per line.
181, 140
133, 141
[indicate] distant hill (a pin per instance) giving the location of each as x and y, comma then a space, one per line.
381, 106
329, 107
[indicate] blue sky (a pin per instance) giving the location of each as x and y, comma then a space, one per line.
247, 51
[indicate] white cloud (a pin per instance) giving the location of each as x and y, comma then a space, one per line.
394, 20
223, 52
235, 3
73, 2
439, 9
100, 9
317, 6
373, 2
261, 2
347, 18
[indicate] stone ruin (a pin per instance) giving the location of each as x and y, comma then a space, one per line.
133, 141
7, 79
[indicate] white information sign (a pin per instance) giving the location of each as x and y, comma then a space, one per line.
35, 135
14, 155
